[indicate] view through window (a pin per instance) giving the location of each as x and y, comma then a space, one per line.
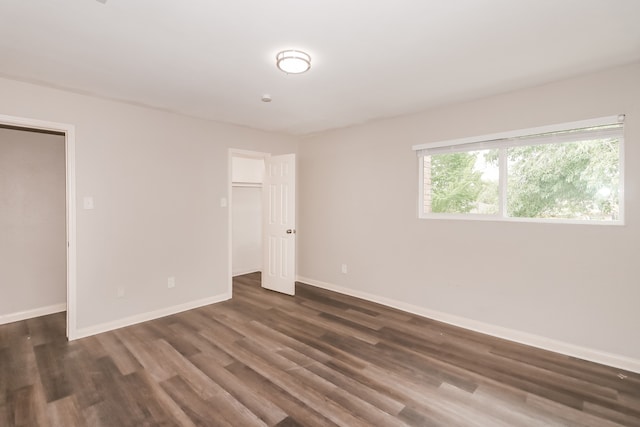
570, 175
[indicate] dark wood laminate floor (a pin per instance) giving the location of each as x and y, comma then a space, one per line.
317, 359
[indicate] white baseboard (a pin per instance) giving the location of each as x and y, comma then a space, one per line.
609, 359
29, 314
243, 272
144, 317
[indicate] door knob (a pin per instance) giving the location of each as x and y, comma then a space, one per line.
290, 231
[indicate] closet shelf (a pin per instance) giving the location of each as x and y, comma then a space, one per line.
247, 184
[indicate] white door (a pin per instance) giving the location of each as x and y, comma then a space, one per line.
279, 224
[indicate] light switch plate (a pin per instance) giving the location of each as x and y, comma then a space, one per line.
223, 202
87, 202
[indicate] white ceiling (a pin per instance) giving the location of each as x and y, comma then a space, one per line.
370, 58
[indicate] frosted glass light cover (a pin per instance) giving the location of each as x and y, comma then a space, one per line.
293, 61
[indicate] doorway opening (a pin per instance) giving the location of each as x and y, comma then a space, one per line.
24, 126
246, 177
270, 206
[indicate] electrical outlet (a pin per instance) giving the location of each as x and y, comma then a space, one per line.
344, 268
171, 282
120, 291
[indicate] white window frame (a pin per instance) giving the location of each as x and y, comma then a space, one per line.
494, 141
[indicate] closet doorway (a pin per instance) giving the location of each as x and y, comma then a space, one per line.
262, 218
247, 175
38, 197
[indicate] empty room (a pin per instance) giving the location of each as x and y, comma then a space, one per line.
337, 213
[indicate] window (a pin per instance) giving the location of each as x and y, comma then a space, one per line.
562, 173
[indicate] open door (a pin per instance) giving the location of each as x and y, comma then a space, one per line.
279, 224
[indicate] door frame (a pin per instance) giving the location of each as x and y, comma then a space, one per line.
70, 166
235, 152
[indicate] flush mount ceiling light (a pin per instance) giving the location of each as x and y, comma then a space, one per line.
293, 61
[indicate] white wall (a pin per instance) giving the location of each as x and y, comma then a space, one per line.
247, 229
157, 179
32, 222
247, 170
575, 284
